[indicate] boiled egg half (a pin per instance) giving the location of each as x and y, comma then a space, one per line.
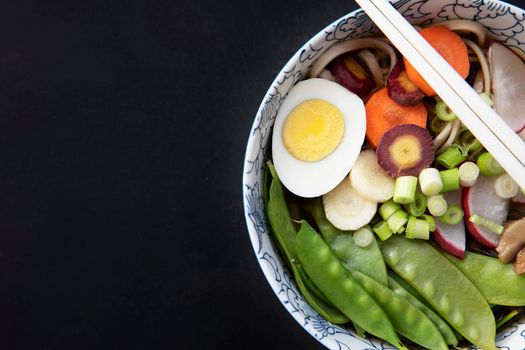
317, 136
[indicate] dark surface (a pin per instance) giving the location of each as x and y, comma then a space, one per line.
123, 134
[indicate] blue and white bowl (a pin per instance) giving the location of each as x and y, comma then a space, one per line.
504, 21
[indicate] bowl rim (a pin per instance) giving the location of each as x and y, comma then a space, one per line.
250, 147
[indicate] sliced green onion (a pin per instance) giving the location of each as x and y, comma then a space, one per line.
488, 224
444, 113
418, 206
405, 189
505, 186
485, 97
437, 205
452, 216
382, 230
468, 174
430, 181
397, 220
417, 228
363, 237
437, 125
451, 157
401, 229
489, 166
450, 179
431, 222
507, 318
388, 208
467, 139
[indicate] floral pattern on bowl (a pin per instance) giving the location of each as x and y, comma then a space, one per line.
504, 21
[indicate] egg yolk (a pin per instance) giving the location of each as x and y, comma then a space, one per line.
313, 130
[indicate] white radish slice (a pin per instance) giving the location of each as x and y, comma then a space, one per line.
482, 199
370, 180
451, 238
508, 85
346, 209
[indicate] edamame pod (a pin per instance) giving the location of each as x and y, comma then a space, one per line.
495, 280
327, 272
442, 326
407, 319
285, 234
445, 287
368, 260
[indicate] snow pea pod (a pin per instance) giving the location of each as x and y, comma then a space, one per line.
495, 280
442, 326
338, 285
407, 319
368, 260
445, 287
285, 234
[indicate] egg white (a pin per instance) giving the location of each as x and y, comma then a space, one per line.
313, 179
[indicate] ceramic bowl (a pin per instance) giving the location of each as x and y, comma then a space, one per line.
504, 21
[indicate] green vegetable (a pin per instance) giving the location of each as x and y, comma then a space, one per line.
448, 290
368, 260
363, 237
452, 216
431, 222
489, 166
444, 113
388, 208
468, 174
417, 228
488, 224
285, 234
507, 318
407, 319
494, 279
430, 181
437, 125
382, 230
397, 220
450, 179
437, 205
451, 157
323, 267
444, 329
405, 189
468, 140
418, 206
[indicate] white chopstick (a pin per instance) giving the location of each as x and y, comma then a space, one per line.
497, 137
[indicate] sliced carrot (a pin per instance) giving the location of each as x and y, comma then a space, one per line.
383, 113
450, 46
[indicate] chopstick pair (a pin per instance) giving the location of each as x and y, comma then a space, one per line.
482, 121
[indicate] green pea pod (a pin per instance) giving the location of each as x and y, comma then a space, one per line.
495, 280
448, 290
368, 260
408, 288
327, 272
407, 319
442, 326
285, 234
310, 285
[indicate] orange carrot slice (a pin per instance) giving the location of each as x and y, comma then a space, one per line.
450, 46
383, 113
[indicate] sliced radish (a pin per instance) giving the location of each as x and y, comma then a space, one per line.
508, 85
482, 199
519, 198
451, 238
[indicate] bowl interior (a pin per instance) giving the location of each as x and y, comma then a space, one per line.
504, 23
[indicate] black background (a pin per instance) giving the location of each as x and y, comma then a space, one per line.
122, 135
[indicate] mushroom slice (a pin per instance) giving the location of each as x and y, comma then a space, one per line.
512, 240
465, 26
352, 45
519, 263
508, 85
